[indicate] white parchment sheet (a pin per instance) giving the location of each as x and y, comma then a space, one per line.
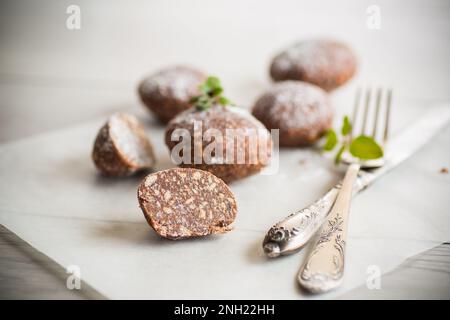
52, 197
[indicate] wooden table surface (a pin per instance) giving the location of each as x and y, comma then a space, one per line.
46, 84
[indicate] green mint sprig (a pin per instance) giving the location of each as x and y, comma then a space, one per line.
362, 147
211, 93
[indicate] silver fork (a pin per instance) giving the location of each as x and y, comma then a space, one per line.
323, 269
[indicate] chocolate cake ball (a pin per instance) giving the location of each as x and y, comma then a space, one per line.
249, 144
325, 63
181, 203
300, 110
122, 147
168, 92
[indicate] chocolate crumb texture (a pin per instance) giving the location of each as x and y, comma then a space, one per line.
121, 147
181, 203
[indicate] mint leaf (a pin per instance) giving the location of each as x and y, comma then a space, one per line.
225, 102
211, 87
202, 106
338, 157
213, 82
331, 141
202, 103
211, 93
365, 148
216, 91
204, 88
194, 99
346, 126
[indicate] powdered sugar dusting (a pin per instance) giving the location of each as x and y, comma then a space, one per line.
314, 56
179, 83
294, 105
233, 129
209, 118
326, 63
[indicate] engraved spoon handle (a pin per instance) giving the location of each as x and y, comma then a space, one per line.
324, 267
293, 232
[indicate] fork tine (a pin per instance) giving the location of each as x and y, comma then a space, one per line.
355, 110
366, 111
388, 111
377, 111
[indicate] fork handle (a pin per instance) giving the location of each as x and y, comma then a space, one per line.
324, 267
